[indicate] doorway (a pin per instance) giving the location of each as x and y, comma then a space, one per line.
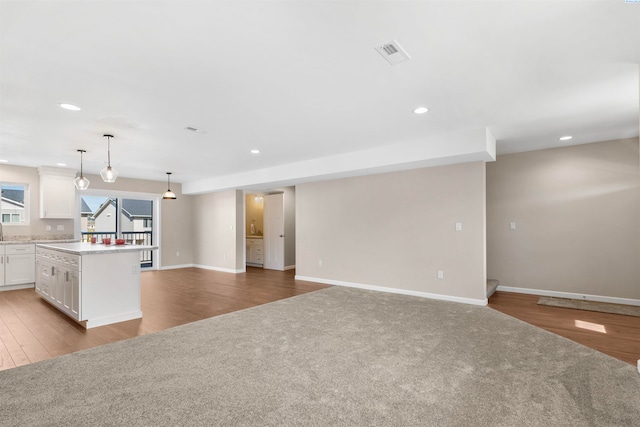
270, 229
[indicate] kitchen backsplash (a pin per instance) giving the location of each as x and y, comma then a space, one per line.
48, 237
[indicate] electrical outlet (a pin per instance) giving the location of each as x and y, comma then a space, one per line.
47, 227
60, 227
177, 253
512, 226
440, 274
458, 226
320, 263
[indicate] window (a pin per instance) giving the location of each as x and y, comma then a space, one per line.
116, 217
13, 208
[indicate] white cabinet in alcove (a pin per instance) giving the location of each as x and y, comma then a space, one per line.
255, 252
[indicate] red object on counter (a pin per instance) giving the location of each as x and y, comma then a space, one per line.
119, 241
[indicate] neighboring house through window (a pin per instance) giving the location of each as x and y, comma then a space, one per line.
13, 208
130, 219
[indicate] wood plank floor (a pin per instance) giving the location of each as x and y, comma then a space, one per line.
612, 334
32, 330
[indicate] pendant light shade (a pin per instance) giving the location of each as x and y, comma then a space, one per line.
169, 195
81, 182
109, 174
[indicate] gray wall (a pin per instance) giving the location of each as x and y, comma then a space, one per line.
576, 211
217, 230
397, 230
289, 227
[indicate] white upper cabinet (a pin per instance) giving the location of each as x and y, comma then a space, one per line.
57, 193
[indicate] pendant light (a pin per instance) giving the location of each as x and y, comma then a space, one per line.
109, 174
81, 182
169, 195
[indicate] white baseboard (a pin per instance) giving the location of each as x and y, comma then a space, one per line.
289, 267
16, 287
92, 323
395, 290
225, 270
172, 267
570, 295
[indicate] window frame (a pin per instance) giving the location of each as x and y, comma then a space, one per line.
119, 195
26, 205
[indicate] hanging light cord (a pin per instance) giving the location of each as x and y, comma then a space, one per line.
108, 150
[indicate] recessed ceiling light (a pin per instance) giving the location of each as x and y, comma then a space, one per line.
70, 107
4, 161
61, 164
255, 151
421, 110
565, 138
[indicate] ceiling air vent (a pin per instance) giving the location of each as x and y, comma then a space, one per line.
192, 129
393, 52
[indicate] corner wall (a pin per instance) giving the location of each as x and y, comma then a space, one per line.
576, 211
396, 230
217, 223
289, 227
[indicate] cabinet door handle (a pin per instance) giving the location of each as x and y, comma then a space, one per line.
66, 276
53, 271
1, 260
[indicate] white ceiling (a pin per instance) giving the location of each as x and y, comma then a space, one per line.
301, 80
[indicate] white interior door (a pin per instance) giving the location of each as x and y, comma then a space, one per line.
274, 232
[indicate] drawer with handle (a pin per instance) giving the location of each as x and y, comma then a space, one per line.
20, 249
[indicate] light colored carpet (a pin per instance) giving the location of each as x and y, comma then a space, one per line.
338, 356
602, 307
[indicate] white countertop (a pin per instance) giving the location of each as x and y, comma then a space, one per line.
79, 248
24, 242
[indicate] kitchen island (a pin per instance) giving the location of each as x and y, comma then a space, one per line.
94, 284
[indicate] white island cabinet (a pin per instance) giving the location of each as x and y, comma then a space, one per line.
93, 284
